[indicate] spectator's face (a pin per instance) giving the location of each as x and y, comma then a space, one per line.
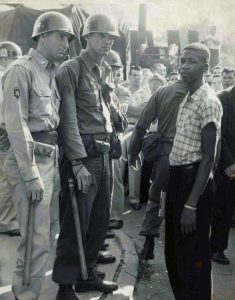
192, 65
208, 78
217, 84
217, 72
160, 69
174, 78
117, 75
154, 85
228, 79
136, 78
100, 43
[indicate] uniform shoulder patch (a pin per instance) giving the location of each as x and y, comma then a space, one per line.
17, 92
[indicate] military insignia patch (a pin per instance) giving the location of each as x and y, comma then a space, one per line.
17, 92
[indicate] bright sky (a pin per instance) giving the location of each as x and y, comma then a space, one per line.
162, 14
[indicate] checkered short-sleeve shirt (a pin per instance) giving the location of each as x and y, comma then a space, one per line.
195, 112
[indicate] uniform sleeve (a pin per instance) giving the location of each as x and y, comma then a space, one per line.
68, 129
16, 95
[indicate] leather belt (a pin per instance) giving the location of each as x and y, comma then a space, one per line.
99, 136
47, 137
186, 167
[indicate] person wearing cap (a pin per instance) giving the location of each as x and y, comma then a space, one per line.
9, 52
123, 95
30, 114
88, 114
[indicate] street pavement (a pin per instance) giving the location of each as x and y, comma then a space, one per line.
153, 283
137, 280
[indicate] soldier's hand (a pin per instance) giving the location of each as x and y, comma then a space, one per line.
83, 177
4, 142
35, 189
135, 162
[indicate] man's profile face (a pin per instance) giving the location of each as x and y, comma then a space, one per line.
100, 43
56, 45
136, 77
228, 79
192, 65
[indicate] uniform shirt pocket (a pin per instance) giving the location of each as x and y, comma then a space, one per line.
41, 100
88, 92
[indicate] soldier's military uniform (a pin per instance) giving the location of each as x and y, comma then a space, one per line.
9, 51
31, 105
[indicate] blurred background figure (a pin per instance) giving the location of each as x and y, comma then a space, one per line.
159, 68
9, 52
208, 78
138, 100
213, 43
155, 82
217, 70
123, 95
217, 83
173, 77
228, 77
147, 74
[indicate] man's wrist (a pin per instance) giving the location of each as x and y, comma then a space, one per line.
76, 162
189, 207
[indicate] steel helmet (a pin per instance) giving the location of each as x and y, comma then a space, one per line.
113, 59
9, 50
52, 21
100, 23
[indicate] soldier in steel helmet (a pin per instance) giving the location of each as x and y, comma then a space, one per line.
88, 115
30, 114
123, 95
9, 52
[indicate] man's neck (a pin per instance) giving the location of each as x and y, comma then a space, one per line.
93, 55
193, 86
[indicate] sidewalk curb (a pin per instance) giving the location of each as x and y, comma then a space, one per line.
127, 270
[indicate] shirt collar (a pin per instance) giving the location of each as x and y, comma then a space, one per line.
41, 59
90, 63
198, 93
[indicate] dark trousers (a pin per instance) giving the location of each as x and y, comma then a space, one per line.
222, 212
188, 258
152, 221
94, 209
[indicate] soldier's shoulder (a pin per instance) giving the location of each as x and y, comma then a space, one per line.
69, 64
23, 61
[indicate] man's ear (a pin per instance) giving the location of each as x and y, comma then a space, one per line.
207, 66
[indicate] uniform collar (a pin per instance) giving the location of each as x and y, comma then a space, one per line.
90, 63
198, 93
41, 59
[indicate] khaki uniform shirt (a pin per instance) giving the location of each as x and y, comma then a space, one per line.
31, 104
86, 103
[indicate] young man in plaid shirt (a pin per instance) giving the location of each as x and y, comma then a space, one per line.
190, 189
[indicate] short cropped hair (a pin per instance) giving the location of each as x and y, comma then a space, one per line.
199, 47
216, 67
159, 78
137, 68
228, 70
